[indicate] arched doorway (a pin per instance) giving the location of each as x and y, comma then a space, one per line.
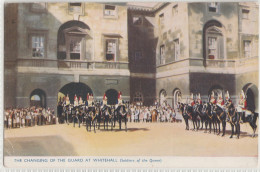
112, 96
176, 97
251, 92
162, 97
80, 89
38, 98
218, 90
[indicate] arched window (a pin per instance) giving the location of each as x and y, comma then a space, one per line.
138, 98
176, 97
162, 96
38, 98
214, 42
74, 41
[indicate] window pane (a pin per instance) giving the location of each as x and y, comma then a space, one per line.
111, 48
110, 10
37, 46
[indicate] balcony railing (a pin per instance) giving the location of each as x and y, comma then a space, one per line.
219, 63
71, 64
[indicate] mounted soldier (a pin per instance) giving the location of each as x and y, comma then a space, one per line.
76, 102
212, 99
228, 100
191, 101
104, 99
220, 101
119, 98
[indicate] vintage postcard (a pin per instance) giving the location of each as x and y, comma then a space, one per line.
131, 84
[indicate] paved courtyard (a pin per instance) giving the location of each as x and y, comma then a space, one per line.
146, 139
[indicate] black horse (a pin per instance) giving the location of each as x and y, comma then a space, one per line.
233, 119
201, 117
107, 116
251, 118
122, 115
185, 116
220, 116
190, 110
90, 115
209, 117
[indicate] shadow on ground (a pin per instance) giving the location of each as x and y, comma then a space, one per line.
118, 130
228, 133
38, 146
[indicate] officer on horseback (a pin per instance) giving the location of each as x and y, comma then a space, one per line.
220, 101
212, 98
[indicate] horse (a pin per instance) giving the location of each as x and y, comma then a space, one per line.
90, 115
201, 117
251, 118
107, 116
75, 115
220, 116
185, 116
122, 115
190, 110
209, 117
233, 119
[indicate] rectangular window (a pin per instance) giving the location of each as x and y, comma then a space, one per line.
247, 49
161, 18
137, 20
38, 46
110, 10
38, 7
245, 13
212, 47
75, 48
176, 49
213, 7
175, 10
76, 8
111, 49
162, 54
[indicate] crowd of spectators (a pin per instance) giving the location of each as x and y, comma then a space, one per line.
28, 117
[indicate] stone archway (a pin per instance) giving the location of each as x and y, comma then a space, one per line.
38, 98
176, 96
112, 96
251, 92
72, 89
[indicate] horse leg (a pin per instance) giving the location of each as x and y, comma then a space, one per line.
253, 127
232, 130
202, 121
238, 129
126, 125
198, 124
224, 127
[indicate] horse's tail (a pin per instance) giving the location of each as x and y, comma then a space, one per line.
256, 114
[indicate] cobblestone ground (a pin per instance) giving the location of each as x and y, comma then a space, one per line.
145, 139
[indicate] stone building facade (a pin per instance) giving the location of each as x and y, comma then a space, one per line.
203, 47
157, 51
65, 48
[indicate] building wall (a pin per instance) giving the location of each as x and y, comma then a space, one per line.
52, 83
175, 26
57, 14
227, 15
10, 53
